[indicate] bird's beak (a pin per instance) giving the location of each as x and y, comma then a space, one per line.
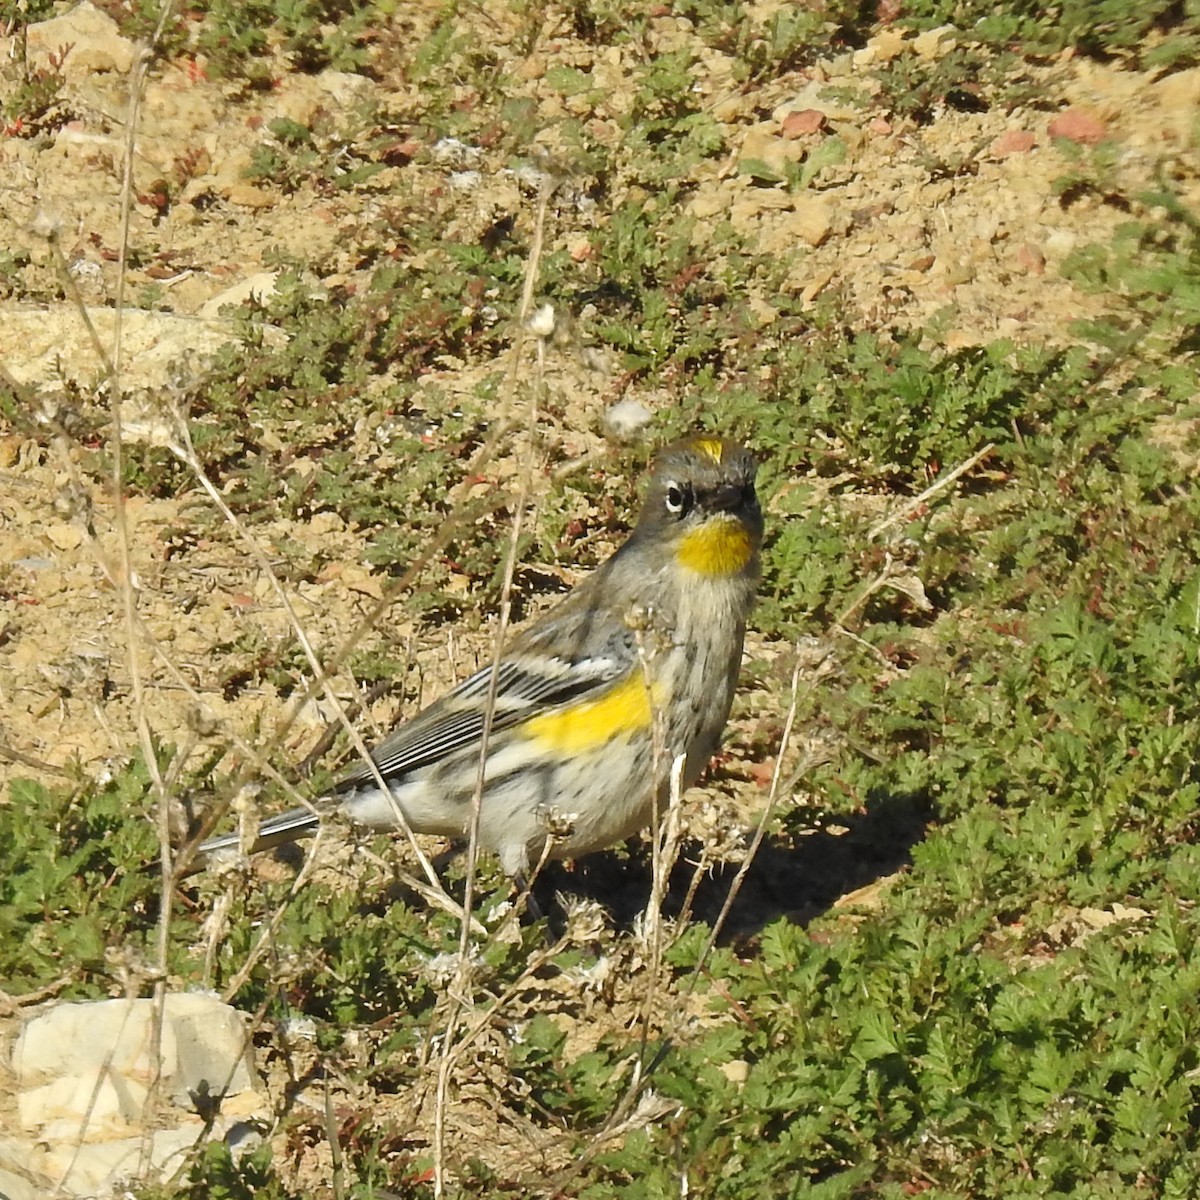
728, 498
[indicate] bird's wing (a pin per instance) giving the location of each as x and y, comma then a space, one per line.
568, 656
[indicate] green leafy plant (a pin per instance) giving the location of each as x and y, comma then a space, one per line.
74, 881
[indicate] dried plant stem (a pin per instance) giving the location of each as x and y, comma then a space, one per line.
460, 989
28, 760
667, 834
126, 584
267, 935
186, 453
760, 830
11, 1005
623, 1111
911, 506
335, 1147
487, 1014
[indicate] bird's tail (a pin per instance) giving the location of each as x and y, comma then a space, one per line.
275, 831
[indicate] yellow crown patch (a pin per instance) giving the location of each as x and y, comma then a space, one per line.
712, 448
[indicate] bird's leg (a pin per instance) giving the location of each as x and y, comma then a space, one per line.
524, 889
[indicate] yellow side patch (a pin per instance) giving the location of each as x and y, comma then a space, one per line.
625, 709
721, 546
714, 448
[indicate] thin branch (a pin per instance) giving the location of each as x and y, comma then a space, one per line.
905, 510
462, 983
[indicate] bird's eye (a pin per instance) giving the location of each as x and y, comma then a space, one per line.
677, 499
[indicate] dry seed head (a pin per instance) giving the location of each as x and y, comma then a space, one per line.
46, 224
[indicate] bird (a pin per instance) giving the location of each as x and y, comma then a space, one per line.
592, 701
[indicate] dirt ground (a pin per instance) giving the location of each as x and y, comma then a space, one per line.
978, 250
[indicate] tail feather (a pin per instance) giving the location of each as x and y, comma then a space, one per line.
275, 831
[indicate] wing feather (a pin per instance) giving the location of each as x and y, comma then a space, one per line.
529, 681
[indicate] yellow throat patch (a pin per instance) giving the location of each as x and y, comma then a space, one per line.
625, 709
721, 546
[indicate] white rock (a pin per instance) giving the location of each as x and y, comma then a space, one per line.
92, 1104
811, 220
96, 44
347, 89
258, 287
17, 1187
83, 1075
934, 43
94, 1168
72, 1046
39, 345
451, 152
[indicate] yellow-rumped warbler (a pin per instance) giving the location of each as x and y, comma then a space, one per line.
595, 698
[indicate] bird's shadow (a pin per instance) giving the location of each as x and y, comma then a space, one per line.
795, 877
